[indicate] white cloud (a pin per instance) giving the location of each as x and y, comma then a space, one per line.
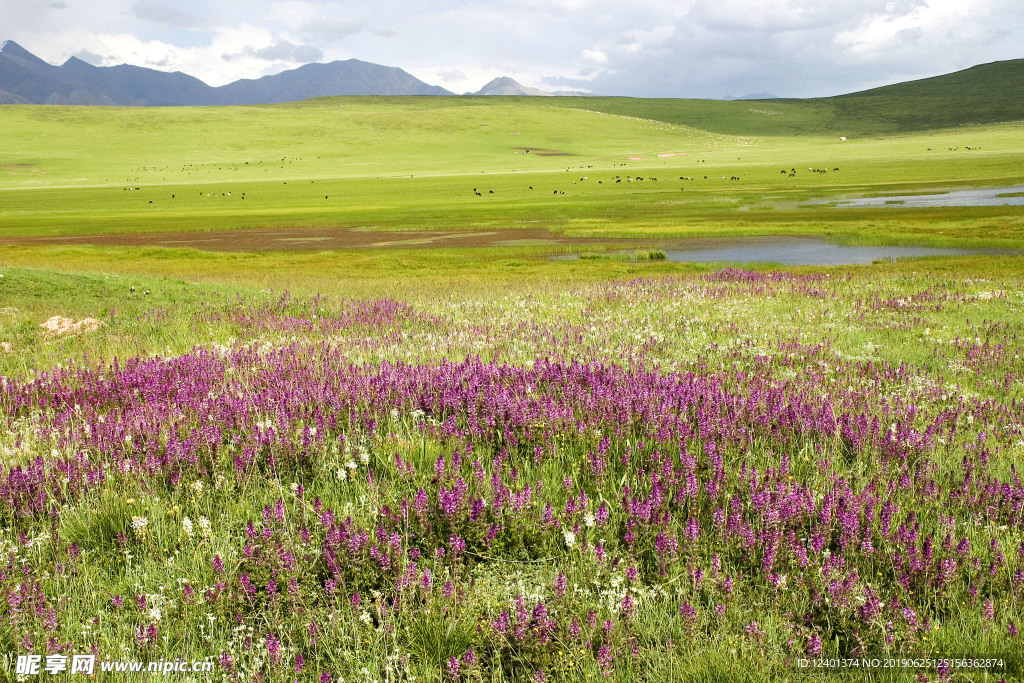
164, 13
685, 48
451, 75
639, 40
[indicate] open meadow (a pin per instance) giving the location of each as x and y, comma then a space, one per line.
405, 389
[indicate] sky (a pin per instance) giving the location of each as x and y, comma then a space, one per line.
637, 48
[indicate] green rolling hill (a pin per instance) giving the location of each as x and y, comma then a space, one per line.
988, 93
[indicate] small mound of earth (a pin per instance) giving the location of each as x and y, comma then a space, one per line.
58, 325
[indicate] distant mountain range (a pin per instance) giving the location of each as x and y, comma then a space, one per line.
983, 93
506, 86
27, 79
752, 96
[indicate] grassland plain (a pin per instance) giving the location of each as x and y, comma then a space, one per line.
418, 163
485, 465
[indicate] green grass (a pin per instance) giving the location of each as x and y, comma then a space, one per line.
725, 331
415, 164
412, 163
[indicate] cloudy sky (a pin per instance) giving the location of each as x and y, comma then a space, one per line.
642, 48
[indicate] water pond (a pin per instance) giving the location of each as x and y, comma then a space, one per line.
988, 196
796, 251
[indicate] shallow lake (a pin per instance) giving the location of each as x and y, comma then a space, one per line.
989, 196
797, 251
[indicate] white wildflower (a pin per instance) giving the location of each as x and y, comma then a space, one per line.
139, 525
186, 526
570, 538
204, 527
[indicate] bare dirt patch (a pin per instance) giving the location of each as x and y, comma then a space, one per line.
59, 325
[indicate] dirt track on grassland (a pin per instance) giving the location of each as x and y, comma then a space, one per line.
319, 239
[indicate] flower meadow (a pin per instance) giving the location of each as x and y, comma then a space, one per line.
699, 477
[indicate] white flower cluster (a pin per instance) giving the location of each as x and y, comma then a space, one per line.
140, 525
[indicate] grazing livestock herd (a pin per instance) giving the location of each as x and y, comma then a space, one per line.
617, 179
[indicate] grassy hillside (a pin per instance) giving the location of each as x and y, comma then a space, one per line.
988, 93
330, 137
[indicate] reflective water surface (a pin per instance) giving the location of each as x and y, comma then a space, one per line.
989, 196
794, 251
802, 251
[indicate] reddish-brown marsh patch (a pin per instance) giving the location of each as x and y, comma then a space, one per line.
317, 239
